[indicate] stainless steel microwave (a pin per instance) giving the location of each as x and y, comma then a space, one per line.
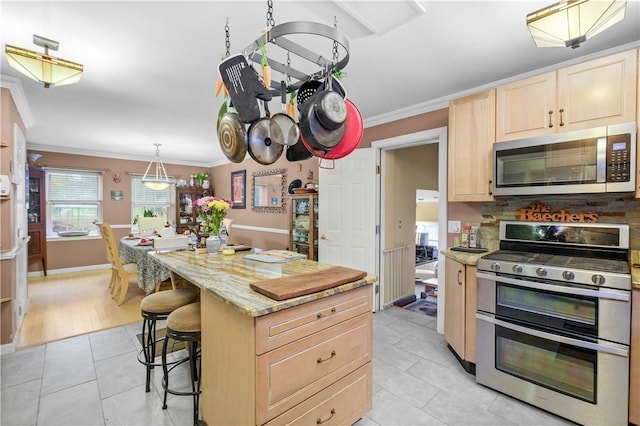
601, 159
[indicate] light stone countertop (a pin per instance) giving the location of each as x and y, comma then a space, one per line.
228, 277
464, 257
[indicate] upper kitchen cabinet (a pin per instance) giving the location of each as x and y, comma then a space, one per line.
471, 138
591, 94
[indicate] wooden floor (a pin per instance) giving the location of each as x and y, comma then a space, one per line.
66, 305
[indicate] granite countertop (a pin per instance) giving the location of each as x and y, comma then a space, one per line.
464, 257
228, 277
634, 265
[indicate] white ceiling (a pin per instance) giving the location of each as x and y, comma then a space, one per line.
151, 66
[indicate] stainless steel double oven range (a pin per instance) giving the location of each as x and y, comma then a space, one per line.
553, 319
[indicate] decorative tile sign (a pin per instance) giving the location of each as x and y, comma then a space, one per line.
538, 212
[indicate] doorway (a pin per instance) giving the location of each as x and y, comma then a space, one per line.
394, 230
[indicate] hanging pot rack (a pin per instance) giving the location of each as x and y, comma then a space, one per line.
277, 35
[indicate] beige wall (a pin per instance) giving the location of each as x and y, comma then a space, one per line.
406, 170
8, 116
277, 224
427, 212
63, 254
418, 123
73, 253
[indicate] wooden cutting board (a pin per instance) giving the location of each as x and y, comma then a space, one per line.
299, 285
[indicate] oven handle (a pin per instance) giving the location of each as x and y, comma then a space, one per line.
615, 350
624, 297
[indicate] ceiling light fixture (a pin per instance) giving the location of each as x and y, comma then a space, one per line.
42, 67
160, 181
571, 22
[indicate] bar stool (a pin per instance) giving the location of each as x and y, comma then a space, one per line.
155, 307
183, 324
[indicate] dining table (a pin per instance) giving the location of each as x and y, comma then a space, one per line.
150, 272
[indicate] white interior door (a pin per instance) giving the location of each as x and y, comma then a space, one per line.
347, 221
21, 232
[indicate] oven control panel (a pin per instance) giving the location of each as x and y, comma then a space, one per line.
618, 159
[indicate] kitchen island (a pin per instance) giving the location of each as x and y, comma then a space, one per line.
304, 360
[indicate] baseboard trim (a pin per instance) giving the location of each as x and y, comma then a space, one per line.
9, 348
69, 270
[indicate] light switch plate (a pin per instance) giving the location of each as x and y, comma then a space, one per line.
453, 226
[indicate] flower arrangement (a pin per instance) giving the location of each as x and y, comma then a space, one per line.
211, 211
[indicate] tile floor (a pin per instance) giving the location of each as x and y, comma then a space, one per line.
95, 379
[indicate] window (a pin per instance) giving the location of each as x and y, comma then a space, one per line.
151, 201
74, 200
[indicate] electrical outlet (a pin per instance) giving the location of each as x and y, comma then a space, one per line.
454, 226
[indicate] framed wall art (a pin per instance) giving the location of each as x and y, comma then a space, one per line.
239, 189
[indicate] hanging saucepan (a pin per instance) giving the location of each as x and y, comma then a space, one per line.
284, 129
221, 113
336, 86
262, 148
233, 137
313, 132
354, 130
298, 152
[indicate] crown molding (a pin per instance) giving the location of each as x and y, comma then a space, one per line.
93, 153
15, 88
443, 102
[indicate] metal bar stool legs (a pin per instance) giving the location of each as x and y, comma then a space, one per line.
184, 325
154, 308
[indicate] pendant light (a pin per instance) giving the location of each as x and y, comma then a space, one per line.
42, 67
571, 22
160, 181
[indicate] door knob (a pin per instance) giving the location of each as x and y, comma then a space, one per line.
323, 237
26, 239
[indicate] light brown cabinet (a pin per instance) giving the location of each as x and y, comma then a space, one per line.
294, 366
36, 217
303, 226
471, 138
186, 216
460, 310
591, 94
634, 372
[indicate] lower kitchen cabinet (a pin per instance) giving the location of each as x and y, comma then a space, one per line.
460, 311
634, 373
309, 364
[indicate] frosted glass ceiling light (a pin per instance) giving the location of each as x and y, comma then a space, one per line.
571, 22
42, 67
160, 181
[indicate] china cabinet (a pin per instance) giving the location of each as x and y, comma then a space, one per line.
36, 217
591, 94
471, 138
186, 216
303, 226
460, 311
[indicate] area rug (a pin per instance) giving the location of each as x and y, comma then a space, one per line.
424, 307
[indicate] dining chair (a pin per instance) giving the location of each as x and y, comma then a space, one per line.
126, 272
113, 282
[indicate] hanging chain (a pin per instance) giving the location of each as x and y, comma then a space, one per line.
270, 21
227, 43
288, 66
335, 45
